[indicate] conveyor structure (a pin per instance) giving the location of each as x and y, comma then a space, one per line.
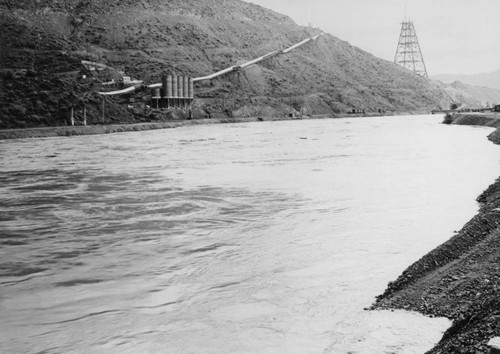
221, 72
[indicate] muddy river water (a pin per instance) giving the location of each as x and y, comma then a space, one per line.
268, 237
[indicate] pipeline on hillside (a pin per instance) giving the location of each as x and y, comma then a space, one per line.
224, 71
119, 92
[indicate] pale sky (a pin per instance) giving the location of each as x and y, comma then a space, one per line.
456, 36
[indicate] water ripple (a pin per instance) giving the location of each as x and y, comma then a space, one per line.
236, 238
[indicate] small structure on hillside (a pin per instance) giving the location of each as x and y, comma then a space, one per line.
108, 76
175, 92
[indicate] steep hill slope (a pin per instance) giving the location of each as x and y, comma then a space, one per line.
43, 43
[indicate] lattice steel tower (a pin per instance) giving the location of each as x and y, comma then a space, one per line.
408, 53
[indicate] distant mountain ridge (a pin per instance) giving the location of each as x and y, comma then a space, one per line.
470, 96
491, 79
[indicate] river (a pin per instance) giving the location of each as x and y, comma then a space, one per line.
268, 237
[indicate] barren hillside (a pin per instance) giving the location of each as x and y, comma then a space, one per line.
43, 43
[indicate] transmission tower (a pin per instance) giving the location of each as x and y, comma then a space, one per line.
408, 53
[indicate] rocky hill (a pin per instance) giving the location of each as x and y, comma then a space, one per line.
44, 41
469, 96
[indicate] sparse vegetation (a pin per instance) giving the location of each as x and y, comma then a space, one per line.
147, 38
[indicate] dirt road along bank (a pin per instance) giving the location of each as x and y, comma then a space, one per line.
460, 279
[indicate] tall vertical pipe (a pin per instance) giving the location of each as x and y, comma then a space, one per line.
188, 92
174, 87
157, 96
169, 86
186, 87
164, 85
191, 88
180, 86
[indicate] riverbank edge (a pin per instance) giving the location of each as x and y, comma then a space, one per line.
66, 131
459, 279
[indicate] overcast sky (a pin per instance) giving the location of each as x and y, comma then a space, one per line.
456, 36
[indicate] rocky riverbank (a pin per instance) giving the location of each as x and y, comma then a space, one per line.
460, 279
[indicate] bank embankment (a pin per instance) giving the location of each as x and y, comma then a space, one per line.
62, 131
45, 132
460, 279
